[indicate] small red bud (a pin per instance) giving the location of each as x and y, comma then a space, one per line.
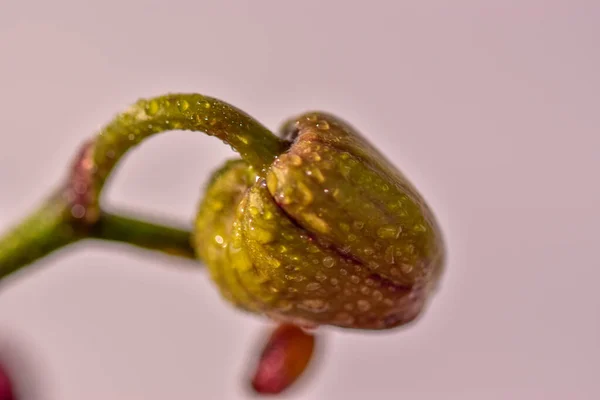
6, 389
283, 360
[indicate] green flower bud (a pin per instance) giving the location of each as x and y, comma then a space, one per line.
333, 234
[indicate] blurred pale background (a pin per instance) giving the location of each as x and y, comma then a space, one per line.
491, 108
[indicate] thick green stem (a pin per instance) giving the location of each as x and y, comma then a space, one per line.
40, 234
194, 112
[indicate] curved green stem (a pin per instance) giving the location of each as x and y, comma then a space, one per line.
74, 213
194, 112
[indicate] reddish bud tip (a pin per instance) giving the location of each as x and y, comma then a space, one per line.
284, 358
6, 390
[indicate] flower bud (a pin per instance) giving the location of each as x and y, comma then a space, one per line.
333, 234
283, 359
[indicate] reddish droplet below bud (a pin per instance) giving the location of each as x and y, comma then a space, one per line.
6, 390
284, 358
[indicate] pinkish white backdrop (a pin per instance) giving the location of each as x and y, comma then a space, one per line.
492, 108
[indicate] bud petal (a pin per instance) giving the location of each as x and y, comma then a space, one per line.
214, 229
330, 234
344, 193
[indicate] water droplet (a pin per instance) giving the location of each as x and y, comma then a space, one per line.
313, 286
420, 228
349, 306
389, 255
219, 239
273, 262
204, 104
394, 271
316, 223
351, 237
363, 305
333, 281
323, 125
365, 290
78, 211
358, 225
152, 107
261, 235
369, 282
328, 262
287, 236
284, 305
406, 268
389, 232
272, 289
244, 139
213, 121
311, 248
295, 160
305, 195
254, 211
388, 302
377, 295
131, 137
318, 175
369, 251
343, 272
183, 105
343, 318
321, 277
314, 305
80, 187
354, 279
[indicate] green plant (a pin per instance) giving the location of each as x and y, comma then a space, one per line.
309, 228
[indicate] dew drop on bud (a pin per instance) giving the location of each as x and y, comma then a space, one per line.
363, 305
183, 105
152, 107
295, 160
323, 125
389, 232
314, 305
328, 262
